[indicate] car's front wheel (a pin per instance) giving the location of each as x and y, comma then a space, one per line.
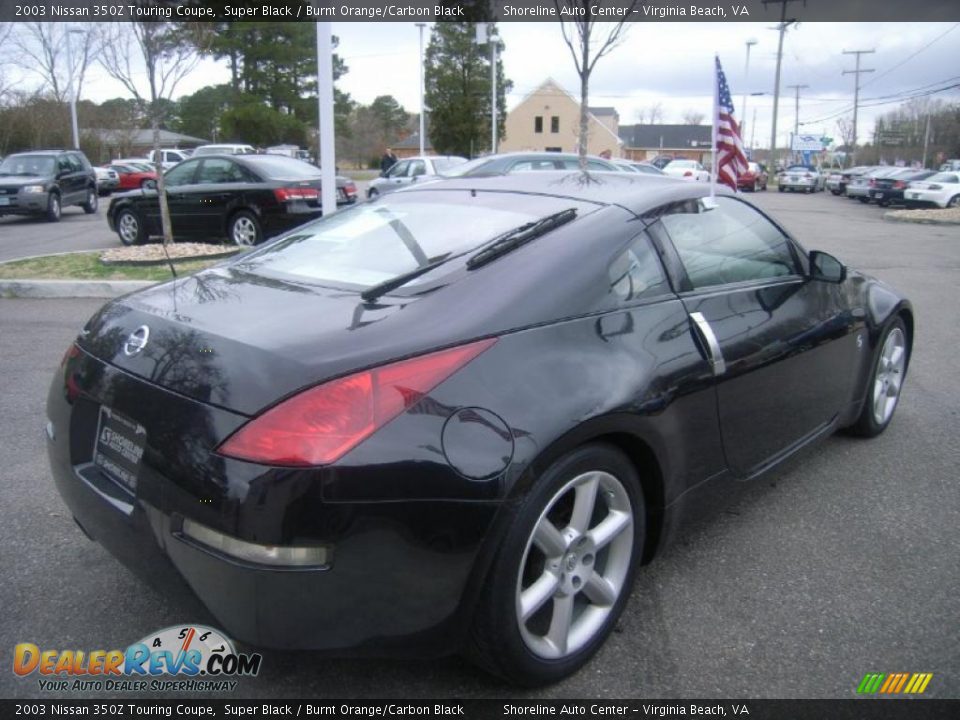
563, 572
954, 202
244, 229
54, 209
886, 382
92, 203
373, 194
129, 227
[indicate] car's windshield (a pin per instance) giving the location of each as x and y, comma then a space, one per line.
27, 165
374, 242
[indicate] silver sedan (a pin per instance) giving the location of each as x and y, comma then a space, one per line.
410, 170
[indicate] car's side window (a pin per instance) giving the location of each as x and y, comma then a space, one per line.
399, 170
77, 162
596, 166
636, 272
532, 166
726, 241
214, 171
182, 174
63, 165
417, 167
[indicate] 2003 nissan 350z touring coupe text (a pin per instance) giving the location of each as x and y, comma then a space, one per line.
458, 418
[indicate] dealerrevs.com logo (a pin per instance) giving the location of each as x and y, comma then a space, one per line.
179, 658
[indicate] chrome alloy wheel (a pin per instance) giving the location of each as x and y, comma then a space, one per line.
889, 376
575, 565
129, 228
244, 231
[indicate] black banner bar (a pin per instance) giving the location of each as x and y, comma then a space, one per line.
478, 10
863, 709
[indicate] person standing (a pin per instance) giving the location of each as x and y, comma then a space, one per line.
388, 160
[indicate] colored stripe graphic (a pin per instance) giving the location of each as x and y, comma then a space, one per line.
894, 683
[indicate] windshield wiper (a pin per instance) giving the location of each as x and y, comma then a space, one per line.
513, 239
375, 291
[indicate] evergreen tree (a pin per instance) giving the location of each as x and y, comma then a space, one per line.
457, 78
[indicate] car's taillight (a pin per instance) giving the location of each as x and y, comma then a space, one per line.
320, 425
872, 183
296, 193
899, 185
688, 174
350, 189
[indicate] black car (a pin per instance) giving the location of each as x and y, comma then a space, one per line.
460, 417
43, 182
523, 162
243, 198
889, 190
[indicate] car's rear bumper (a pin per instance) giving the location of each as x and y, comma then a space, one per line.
396, 576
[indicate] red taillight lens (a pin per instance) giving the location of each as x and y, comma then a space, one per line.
296, 193
320, 425
71, 353
872, 183
899, 185
688, 174
350, 189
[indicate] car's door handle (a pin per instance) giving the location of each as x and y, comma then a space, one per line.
717, 363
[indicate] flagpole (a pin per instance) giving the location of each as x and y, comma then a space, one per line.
716, 117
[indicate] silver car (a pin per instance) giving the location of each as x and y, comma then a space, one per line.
804, 178
859, 187
410, 170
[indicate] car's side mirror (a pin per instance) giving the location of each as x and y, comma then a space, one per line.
414, 178
150, 184
826, 267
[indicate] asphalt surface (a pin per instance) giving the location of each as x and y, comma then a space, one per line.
843, 563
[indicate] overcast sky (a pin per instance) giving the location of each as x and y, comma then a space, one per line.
669, 63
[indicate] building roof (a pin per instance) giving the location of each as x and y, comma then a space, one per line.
412, 142
669, 137
603, 111
142, 137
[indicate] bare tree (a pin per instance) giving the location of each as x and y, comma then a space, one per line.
845, 129
42, 49
650, 114
6, 30
589, 41
693, 117
168, 52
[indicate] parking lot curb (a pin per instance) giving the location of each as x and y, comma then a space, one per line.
70, 288
921, 221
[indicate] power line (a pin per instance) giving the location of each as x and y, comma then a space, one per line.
796, 108
910, 57
921, 91
782, 27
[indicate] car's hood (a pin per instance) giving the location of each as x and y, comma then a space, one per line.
17, 180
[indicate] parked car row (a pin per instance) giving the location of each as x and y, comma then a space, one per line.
890, 185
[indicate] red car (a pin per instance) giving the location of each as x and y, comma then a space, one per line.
132, 175
754, 179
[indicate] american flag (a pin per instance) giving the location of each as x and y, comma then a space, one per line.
730, 161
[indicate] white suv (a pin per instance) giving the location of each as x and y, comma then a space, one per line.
169, 157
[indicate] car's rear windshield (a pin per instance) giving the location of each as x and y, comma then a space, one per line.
374, 242
27, 165
443, 163
464, 168
944, 177
279, 166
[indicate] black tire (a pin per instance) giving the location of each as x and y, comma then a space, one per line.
93, 202
54, 209
835, 192
864, 200
129, 227
373, 194
781, 188
521, 656
954, 202
871, 421
244, 229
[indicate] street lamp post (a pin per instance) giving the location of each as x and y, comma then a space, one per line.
746, 73
73, 92
422, 109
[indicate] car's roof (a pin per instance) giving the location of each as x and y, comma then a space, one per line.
40, 152
635, 192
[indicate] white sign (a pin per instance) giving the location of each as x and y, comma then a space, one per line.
807, 143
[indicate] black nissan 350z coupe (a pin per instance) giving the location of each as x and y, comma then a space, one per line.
460, 417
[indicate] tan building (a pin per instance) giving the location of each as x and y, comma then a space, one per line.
549, 119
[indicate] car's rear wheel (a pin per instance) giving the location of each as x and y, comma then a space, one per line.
92, 203
864, 199
244, 229
54, 209
781, 188
372, 194
129, 227
563, 572
885, 383
954, 202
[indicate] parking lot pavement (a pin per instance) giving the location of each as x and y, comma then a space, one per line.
843, 563
25, 236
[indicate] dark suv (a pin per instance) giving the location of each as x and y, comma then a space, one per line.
43, 182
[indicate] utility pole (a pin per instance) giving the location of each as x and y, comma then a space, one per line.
926, 141
423, 139
796, 112
782, 27
746, 73
856, 95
